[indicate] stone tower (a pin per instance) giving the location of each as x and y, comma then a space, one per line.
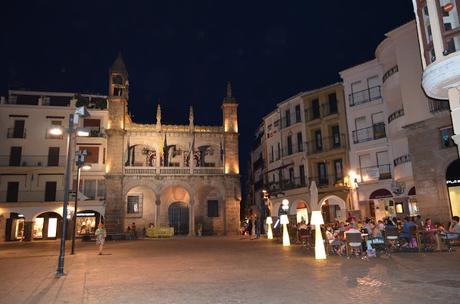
118, 118
231, 163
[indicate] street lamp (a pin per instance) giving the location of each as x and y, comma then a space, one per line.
353, 186
73, 120
80, 163
284, 221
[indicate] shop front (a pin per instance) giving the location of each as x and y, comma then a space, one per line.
47, 225
453, 187
14, 227
87, 222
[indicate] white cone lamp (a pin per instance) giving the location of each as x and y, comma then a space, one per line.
317, 220
284, 221
269, 222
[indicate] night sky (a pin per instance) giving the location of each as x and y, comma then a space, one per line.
183, 52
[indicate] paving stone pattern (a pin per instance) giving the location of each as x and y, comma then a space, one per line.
221, 270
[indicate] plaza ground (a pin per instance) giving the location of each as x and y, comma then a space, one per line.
220, 270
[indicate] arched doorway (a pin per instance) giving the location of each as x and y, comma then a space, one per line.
87, 222
453, 186
382, 204
178, 216
302, 212
333, 208
47, 225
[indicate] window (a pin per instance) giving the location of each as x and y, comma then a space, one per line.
302, 174
272, 154
338, 170
100, 188
53, 156
333, 103
93, 154
291, 174
315, 108
335, 136
318, 140
298, 118
288, 118
279, 152
446, 137
383, 164
213, 208
322, 174
15, 156
93, 125
89, 188
12, 191
289, 145
133, 205
299, 142
50, 191
19, 130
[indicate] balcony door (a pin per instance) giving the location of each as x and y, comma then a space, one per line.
322, 174
18, 131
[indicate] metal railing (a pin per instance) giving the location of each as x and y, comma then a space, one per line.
373, 132
286, 184
32, 196
327, 144
364, 96
294, 148
389, 73
32, 161
378, 172
312, 114
395, 115
401, 160
327, 181
329, 109
287, 121
173, 171
438, 105
16, 133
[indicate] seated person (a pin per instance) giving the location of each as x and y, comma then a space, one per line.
406, 230
454, 229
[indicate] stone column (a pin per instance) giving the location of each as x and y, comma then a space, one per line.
191, 219
454, 101
157, 212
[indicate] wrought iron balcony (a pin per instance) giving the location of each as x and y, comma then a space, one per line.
378, 172
325, 144
32, 161
286, 184
16, 133
364, 96
373, 132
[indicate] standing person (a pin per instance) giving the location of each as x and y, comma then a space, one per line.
101, 234
258, 226
133, 229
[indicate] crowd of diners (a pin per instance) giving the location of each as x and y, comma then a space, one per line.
386, 234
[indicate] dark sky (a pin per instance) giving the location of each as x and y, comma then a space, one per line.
183, 52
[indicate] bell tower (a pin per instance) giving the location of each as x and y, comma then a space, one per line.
231, 163
230, 124
118, 118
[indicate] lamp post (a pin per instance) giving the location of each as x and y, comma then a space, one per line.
80, 162
284, 221
73, 120
317, 220
353, 186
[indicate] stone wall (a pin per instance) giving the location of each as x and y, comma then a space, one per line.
429, 162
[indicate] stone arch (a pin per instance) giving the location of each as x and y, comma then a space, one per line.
47, 225
302, 210
334, 200
209, 209
140, 206
172, 193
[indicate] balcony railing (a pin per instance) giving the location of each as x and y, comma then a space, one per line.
16, 133
295, 148
32, 161
290, 120
286, 184
438, 105
326, 144
329, 109
33, 196
364, 96
395, 115
259, 163
173, 171
401, 160
378, 172
373, 132
312, 114
327, 181
389, 73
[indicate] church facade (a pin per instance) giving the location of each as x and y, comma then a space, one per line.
183, 176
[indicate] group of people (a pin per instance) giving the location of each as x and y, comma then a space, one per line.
374, 231
251, 226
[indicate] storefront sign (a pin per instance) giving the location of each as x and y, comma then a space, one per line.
453, 182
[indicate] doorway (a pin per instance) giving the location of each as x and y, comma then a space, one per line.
178, 215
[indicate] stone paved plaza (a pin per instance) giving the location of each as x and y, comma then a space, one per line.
221, 270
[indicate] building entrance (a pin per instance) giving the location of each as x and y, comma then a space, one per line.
178, 215
453, 186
